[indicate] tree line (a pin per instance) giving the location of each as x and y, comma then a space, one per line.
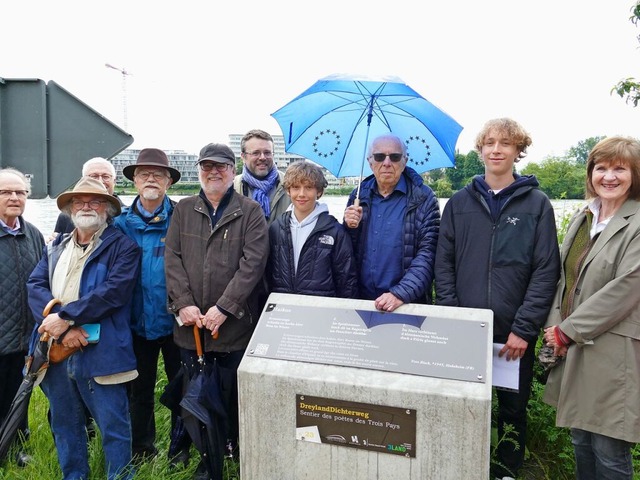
559, 176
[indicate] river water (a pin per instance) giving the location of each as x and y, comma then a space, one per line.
44, 212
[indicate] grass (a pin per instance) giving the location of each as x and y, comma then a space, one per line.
548, 456
45, 461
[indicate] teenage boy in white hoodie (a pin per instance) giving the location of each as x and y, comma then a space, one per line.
311, 253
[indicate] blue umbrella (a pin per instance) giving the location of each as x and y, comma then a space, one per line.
331, 124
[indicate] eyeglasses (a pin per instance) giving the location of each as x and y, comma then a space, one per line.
104, 176
380, 157
93, 204
208, 166
144, 175
257, 154
9, 193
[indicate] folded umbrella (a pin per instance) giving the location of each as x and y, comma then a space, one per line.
202, 412
35, 368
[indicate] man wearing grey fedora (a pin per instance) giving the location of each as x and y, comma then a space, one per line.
146, 222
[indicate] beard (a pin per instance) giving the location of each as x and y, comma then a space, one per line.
150, 194
89, 220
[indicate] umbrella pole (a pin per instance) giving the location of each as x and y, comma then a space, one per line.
356, 202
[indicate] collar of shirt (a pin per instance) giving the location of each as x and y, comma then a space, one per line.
146, 213
94, 237
11, 231
597, 227
401, 186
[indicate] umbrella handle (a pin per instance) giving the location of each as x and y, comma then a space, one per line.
196, 336
47, 309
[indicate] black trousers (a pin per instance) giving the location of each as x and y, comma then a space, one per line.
11, 366
512, 410
142, 389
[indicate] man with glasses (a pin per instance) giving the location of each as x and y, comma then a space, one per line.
394, 228
216, 251
97, 168
146, 221
92, 271
260, 179
20, 250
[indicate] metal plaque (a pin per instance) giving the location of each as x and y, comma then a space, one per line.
429, 346
378, 428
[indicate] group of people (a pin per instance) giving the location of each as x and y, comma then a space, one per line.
150, 272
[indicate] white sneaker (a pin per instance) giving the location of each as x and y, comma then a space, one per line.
505, 478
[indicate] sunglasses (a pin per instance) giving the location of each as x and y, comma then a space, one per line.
380, 157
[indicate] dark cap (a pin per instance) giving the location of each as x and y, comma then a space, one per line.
217, 152
152, 157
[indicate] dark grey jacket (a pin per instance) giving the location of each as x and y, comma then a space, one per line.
18, 256
509, 264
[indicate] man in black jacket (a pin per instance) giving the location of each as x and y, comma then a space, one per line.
498, 250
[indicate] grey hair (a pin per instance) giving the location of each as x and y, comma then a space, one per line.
388, 136
17, 173
98, 161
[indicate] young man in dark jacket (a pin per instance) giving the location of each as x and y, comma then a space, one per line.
311, 253
498, 250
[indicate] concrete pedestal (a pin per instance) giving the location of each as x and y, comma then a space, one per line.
453, 417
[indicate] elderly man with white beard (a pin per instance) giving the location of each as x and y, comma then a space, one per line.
146, 222
92, 271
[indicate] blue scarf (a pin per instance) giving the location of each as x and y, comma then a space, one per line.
261, 188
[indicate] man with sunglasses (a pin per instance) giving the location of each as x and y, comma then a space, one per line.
394, 228
147, 222
216, 252
260, 179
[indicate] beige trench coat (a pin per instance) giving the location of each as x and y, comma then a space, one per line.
597, 387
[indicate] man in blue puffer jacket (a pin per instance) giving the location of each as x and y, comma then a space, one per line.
147, 222
394, 230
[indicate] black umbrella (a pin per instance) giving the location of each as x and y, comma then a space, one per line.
36, 366
197, 395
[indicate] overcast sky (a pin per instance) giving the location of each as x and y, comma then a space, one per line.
200, 71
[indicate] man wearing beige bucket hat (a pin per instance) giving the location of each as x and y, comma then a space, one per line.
92, 271
146, 222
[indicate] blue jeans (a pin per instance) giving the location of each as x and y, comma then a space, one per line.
68, 394
599, 457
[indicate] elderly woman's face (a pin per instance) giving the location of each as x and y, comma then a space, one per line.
611, 180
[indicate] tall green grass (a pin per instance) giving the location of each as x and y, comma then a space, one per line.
45, 461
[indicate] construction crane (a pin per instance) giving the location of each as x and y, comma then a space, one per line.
124, 73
